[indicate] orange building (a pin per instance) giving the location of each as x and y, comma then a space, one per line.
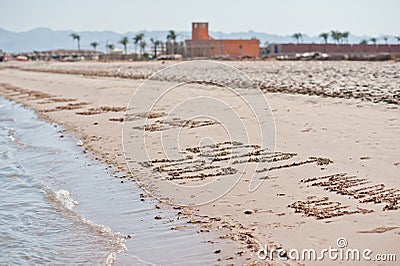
202, 45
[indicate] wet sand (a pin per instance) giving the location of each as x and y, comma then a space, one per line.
336, 167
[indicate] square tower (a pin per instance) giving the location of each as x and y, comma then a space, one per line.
200, 31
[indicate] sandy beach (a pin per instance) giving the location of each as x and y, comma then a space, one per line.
334, 171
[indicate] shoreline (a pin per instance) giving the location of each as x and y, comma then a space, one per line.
224, 252
269, 221
117, 211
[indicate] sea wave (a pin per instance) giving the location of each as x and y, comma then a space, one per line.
63, 201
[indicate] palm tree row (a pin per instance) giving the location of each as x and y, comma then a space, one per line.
341, 37
337, 36
374, 40
138, 40
93, 44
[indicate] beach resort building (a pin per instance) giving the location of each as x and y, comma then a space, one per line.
202, 45
351, 50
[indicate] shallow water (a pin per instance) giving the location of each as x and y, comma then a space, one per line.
57, 206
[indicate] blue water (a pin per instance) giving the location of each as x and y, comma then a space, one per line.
57, 206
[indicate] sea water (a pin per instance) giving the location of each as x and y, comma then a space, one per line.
58, 206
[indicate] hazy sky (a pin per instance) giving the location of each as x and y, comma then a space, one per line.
371, 17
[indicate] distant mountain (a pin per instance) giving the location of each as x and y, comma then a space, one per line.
41, 39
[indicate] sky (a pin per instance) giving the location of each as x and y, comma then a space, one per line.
283, 17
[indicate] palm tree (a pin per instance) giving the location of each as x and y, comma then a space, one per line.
385, 38
155, 43
374, 40
336, 36
124, 41
298, 37
364, 42
142, 46
324, 36
172, 36
345, 36
110, 47
77, 38
138, 40
94, 45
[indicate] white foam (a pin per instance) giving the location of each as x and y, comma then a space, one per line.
117, 238
63, 199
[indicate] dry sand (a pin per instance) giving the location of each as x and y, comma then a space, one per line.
371, 81
337, 174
